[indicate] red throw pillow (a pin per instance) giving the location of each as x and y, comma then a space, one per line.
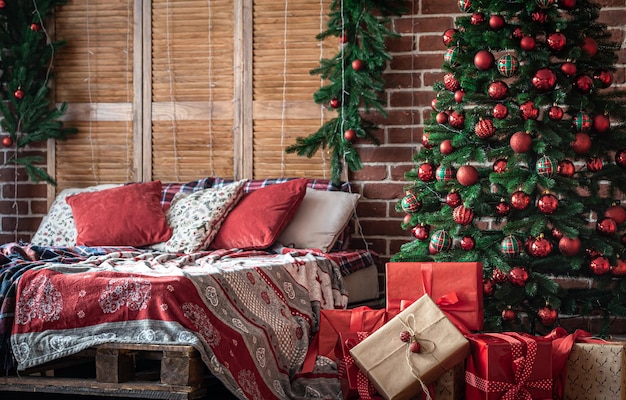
260, 216
128, 215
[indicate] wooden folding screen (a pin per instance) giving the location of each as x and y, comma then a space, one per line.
177, 90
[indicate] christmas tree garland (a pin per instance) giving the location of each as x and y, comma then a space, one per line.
27, 53
355, 80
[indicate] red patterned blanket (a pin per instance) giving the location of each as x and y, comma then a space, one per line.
250, 315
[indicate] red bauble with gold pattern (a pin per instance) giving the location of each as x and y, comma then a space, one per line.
599, 265
521, 142
528, 110
617, 213
456, 119
426, 172
498, 90
500, 111
547, 315
518, 276
421, 232
453, 199
484, 128
467, 175
547, 203
520, 200
467, 243
606, 226
463, 215
450, 82
555, 113
581, 144
544, 80
601, 123
569, 246
566, 168
594, 164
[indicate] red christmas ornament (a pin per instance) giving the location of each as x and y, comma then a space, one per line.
456, 120
568, 68
463, 215
358, 65
623, 239
500, 111
603, 77
498, 90
2, 4
467, 175
484, 128
556, 41
566, 168
477, 18
19, 94
606, 226
415, 347
458, 96
521, 142
496, 21
343, 39
508, 314
583, 83
617, 213
350, 135
556, 234
498, 276
467, 243
450, 82
547, 315
503, 208
539, 16
334, 102
594, 164
518, 276
499, 166
567, 4
445, 173
555, 113
489, 287
433, 104
620, 268
517, 33
421, 232
407, 219
453, 199
581, 144
441, 118
448, 36
569, 246
620, 158
446, 147
590, 46
527, 43
544, 80
582, 122
410, 203
34, 27
440, 241
510, 246
540, 247
483, 60
599, 265
520, 200
528, 110
548, 203
426, 172
7, 141
425, 141
601, 123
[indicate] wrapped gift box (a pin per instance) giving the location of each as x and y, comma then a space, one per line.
596, 371
456, 287
508, 364
396, 372
353, 381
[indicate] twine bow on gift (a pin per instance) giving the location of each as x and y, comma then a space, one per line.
522, 369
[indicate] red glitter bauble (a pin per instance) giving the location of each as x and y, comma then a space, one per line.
518, 276
583, 83
548, 203
500, 111
599, 265
556, 41
467, 175
521, 142
483, 60
498, 90
555, 113
594, 164
503, 208
617, 213
477, 18
540, 247
603, 77
441, 118
484, 128
620, 158
456, 120
568, 68
499, 276
569, 246
421, 232
448, 36
544, 80
601, 123
453, 199
463, 215
426, 172
467, 243
496, 21
606, 226
446, 147
590, 46
581, 144
499, 166
450, 82
528, 110
527, 43
520, 200
566, 168
547, 315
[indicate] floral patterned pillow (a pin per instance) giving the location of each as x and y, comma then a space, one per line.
58, 228
195, 218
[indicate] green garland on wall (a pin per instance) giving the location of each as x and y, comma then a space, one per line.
27, 53
355, 80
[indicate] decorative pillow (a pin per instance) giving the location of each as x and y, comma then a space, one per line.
320, 219
57, 228
260, 216
171, 189
196, 217
129, 215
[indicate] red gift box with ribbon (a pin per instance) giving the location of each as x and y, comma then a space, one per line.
354, 383
508, 366
456, 288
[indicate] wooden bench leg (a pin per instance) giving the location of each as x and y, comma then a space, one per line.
114, 365
181, 368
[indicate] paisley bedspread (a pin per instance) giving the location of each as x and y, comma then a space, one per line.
251, 315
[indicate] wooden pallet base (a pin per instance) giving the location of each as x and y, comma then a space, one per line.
120, 370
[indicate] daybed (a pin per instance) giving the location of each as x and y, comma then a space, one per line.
237, 269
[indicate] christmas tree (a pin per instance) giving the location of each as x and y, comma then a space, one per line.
354, 77
27, 54
523, 162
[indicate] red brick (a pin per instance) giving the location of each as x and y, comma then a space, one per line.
397, 172
386, 191
398, 80
438, 7
402, 43
24, 190
39, 206
21, 224
422, 61
371, 173
430, 43
384, 154
411, 135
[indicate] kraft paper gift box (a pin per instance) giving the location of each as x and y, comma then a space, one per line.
456, 287
596, 371
508, 366
395, 371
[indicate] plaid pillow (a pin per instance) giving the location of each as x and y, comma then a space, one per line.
171, 189
254, 184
